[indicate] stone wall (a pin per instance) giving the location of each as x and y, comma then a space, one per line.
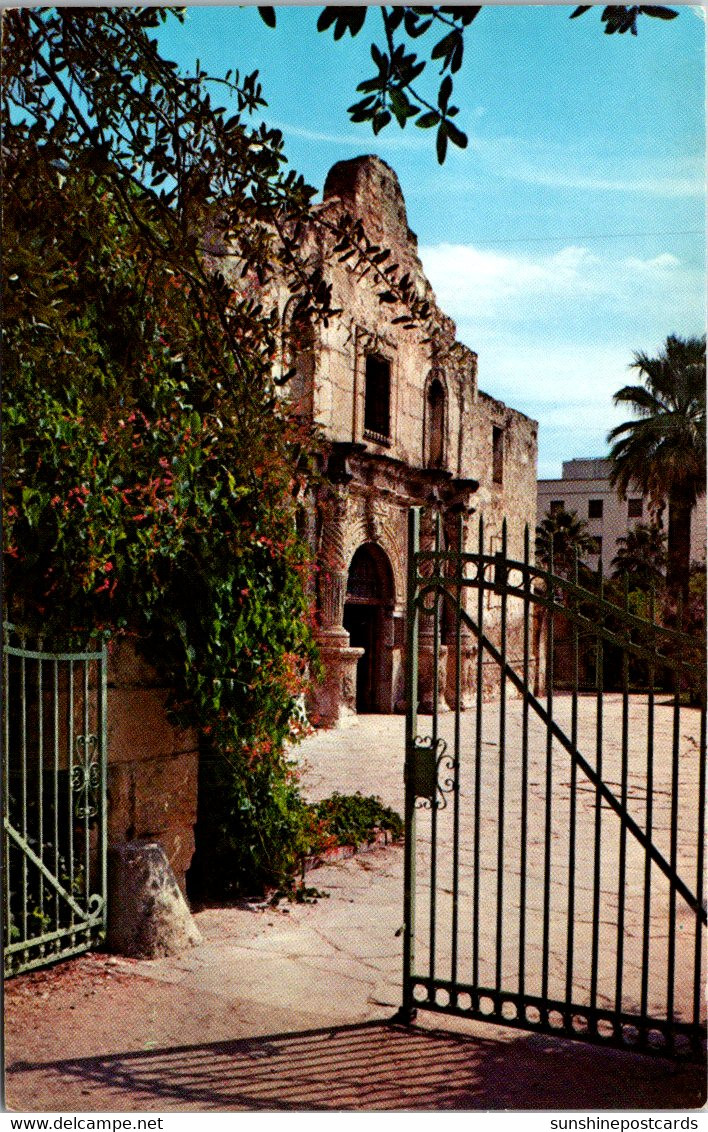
437, 450
152, 765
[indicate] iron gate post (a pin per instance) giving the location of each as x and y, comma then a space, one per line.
103, 786
407, 1011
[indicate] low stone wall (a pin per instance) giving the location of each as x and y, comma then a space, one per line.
152, 765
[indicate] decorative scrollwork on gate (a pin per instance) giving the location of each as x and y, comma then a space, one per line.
86, 777
430, 765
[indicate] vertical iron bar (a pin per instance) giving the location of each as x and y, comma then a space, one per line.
573, 800
56, 789
502, 767
103, 798
434, 731
23, 752
70, 792
524, 770
550, 677
673, 854
599, 681
40, 777
4, 846
697, 962
6, 789
478, 760
86, 790
412, 620
648, 827
456, 798
622, 869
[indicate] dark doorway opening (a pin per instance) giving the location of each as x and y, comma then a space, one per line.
368, 620
360, 621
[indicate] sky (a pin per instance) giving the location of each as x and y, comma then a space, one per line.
571, 231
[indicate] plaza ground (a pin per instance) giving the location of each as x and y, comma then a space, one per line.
289, 1007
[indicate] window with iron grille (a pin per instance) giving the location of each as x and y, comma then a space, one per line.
556, 506
377, 398
595, 508
497, 455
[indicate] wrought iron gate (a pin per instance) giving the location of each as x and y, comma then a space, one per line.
54, 801
555, 821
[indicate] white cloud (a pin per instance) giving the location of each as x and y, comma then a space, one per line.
467, 279
593, 168
660, 263
556, 331
482, 285
567, 389
394, 140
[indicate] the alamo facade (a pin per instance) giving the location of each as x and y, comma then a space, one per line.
403, 423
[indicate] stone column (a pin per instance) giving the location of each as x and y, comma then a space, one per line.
334, 698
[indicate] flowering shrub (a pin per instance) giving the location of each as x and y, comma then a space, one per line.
149, 489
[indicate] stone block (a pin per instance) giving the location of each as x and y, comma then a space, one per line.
156, 798
138, 727
147, 914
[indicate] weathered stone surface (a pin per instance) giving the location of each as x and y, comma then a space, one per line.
156, 799
147, 913
138, 727
152, 764
442, 444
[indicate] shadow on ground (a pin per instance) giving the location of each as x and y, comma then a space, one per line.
378, 1066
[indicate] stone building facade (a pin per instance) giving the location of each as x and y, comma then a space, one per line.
403, 423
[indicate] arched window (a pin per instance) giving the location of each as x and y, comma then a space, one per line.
435, 453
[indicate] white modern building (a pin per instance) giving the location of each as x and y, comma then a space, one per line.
585, 488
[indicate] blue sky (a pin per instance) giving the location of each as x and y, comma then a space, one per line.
569, 234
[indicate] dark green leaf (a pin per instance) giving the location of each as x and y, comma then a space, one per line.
444, 93
381, 119
456, 136
430, 118
268, 16
444, 48
441, 142
400, 105
326, 18
659, 12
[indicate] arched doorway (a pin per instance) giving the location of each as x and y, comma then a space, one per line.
368, 620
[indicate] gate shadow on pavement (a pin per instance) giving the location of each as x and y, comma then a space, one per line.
376, 1066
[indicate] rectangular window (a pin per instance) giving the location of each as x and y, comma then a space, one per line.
594, 509
497, 455
596, 547
377, 398
635, 508
556, 506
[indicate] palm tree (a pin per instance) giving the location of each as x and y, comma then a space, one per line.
663, 451
641, 554
563, 532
